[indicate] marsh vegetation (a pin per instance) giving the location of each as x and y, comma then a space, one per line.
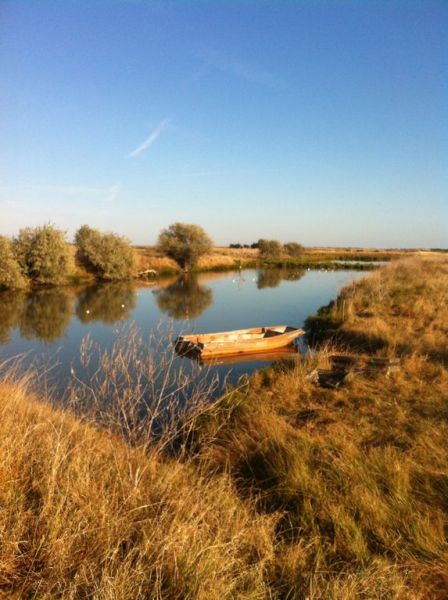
41, 256
281, 489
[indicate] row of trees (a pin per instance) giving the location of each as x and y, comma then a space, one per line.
273, 248
186, 243
41, 256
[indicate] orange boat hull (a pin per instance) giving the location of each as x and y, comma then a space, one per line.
243, 341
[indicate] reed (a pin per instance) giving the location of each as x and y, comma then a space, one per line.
137, 390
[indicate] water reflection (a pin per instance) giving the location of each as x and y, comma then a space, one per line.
11, 307
45, 314
289, 352
271, 278
108, 303
185, 299
64, 316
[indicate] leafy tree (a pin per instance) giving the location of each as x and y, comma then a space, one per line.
87, 241
108, 256
11, 277
270, 248
184, 243
43, 254
293, 249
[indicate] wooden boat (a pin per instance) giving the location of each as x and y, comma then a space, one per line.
240, 341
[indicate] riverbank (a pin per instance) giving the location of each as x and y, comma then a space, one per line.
359, 473
227, 259
150, 264
283, 489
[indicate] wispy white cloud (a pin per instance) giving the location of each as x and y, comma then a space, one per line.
150, 139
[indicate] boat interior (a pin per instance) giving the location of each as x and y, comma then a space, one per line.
241, 334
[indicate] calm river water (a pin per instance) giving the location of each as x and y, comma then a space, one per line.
48, 326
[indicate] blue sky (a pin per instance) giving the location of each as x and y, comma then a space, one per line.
319, 122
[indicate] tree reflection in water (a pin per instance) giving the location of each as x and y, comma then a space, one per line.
185, 299
271, 278
46, 314
11, 307
108, 303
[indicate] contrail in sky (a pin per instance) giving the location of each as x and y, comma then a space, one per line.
150, 140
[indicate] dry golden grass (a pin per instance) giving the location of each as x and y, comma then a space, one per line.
234, 258
223, 258
219, 258
359, 474
401, 308
83, 515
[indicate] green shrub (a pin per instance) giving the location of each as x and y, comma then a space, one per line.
43, 254
293, 249
11, 277
108, 256
184, 243
270, 248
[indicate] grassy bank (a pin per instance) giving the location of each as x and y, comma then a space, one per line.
359, 475
228, 259
82, 515
224, 259
284, 490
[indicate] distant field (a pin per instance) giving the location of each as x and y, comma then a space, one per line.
223, 257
